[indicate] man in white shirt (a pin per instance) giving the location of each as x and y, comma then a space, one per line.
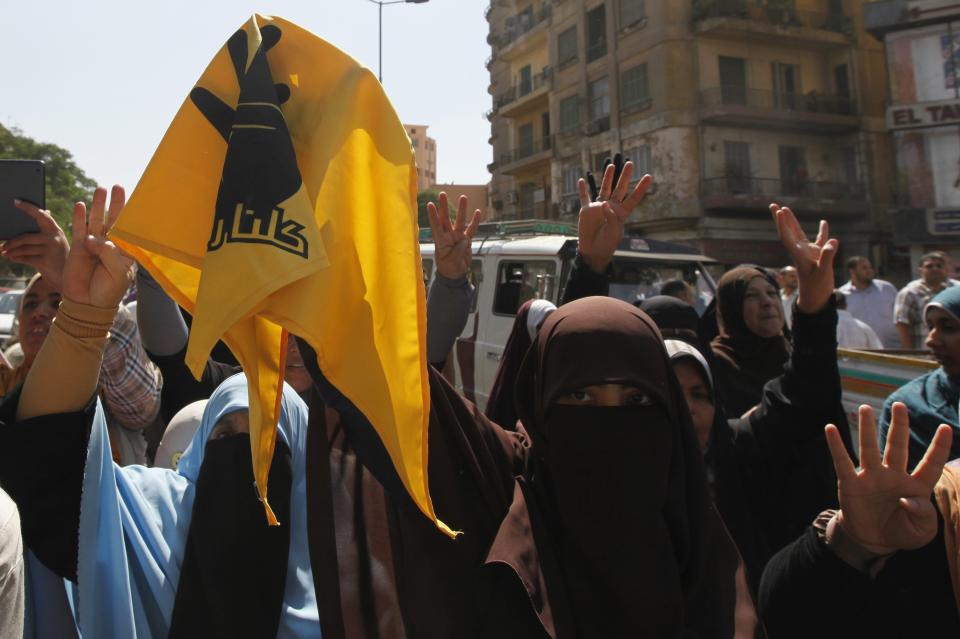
851, 332
871, 300
789, 283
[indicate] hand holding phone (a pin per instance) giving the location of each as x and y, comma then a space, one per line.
45, 250
23, 180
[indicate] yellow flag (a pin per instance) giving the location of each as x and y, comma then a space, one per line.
283, 198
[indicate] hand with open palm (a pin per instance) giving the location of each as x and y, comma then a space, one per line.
884, 507
601, 223
97, 272
453, 243
813, 260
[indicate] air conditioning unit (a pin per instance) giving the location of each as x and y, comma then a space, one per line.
513, 197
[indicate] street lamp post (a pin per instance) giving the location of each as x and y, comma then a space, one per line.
380, 4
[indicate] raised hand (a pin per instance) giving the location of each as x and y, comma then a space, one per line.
883, 507
814, 260
601, 223
46, 250
453, 242
97, 272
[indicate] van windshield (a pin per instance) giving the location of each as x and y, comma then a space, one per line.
9, 302
635, 280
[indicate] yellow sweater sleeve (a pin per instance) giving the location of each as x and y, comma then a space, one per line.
65, 372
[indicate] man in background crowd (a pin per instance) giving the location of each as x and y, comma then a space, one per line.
871, 300
852, 332
914, 297
678, 289
788, 292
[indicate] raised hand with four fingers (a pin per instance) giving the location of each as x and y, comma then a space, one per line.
97, 272
453, 242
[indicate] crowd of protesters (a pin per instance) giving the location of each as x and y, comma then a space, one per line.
637, 471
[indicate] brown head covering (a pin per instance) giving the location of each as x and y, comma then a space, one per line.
622, 489
744, 360
500, 403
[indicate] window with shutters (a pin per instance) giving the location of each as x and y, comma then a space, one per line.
569, 113
634, 87
632, 12
567, 46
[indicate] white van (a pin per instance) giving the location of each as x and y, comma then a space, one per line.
516, 261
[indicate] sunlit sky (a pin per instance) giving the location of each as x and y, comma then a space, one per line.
104, 78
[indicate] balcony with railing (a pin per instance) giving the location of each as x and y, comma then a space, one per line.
526, 155
522, 31
813, 111
775, 20
733, 194
597, 125
536, 211
525, 93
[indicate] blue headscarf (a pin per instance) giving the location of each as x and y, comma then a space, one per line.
931, 399
134, 522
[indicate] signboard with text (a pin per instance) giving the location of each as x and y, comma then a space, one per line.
943, 221
923, 114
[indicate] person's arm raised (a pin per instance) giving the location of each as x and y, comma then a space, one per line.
95, 277
601, 223
813, 260
600, 228
448, 301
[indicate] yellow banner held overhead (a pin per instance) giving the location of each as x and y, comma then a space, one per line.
283, 198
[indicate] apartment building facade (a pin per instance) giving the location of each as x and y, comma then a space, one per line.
730, 104
425, 152
922, 39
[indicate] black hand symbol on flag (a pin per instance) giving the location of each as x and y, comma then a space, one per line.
260, 170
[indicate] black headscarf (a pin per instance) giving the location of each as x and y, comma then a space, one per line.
500, 404
623, 489
743, 361
678, 320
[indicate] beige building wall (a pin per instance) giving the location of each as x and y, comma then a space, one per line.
678, 131
476, 196
425, 152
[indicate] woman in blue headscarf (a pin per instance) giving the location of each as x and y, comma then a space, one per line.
188, 552
154, 553
932, 399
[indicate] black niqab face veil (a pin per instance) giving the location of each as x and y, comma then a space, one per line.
623, 489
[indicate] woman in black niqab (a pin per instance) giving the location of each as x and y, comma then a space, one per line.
620, 485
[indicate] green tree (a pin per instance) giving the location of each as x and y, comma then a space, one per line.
66, 182
430, 195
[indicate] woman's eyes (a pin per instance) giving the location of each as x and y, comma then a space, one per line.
223, 432
580, 395
640, 399
701, 396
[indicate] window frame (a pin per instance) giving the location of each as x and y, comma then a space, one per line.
644, 99
638, 6
502, 266
594, 99
570, 99
561, 60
